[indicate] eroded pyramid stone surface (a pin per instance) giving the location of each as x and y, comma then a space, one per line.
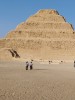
44, 35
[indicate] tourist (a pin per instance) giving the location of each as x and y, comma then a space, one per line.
31, 65
50, 62
27, 64
74, 63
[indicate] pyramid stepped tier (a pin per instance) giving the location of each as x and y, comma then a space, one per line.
44, 35
41, 48
48, 12
37, 43
49, 25
48, 18
41, 34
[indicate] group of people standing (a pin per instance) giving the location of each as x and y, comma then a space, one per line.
29, 65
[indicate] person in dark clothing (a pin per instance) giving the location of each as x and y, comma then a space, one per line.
31, 65
27, 64
74, 63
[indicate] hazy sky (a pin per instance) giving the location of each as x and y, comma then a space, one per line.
13, 12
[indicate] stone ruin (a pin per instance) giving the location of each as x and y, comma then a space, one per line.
45, 35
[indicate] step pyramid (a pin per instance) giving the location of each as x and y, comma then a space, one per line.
44, 35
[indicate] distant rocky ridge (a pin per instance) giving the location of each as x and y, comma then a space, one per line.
45, 35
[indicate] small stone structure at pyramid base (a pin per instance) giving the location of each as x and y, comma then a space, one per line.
8, 54
44, 36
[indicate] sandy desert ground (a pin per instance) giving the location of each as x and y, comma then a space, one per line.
44, 82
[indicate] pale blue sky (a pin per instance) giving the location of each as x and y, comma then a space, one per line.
13, 12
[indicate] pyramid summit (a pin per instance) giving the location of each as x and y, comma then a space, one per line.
47, 11
44, 35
